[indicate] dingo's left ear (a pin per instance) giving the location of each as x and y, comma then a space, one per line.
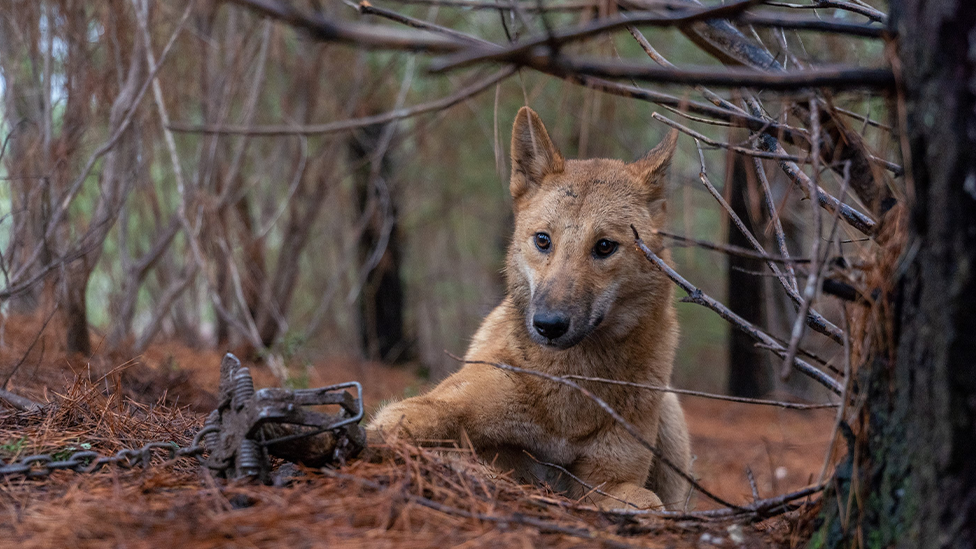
652, 168
533, 154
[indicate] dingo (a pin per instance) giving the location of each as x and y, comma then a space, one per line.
580, 301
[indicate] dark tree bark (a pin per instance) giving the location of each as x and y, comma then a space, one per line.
915, 470
381, 300
749, 371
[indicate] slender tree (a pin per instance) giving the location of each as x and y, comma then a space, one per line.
749, 370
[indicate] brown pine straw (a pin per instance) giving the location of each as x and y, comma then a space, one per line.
403, 496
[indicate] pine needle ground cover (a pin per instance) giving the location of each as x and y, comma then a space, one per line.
403, 497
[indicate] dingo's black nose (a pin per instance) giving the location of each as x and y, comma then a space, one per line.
550, 325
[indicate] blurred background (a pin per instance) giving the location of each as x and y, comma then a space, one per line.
126, 222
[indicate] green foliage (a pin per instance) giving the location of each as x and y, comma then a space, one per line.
13, 448
68, 451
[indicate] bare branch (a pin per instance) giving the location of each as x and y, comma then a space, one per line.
30, 348
828, 25
713, 396
730, 249
366, 8
695, 295
812, 318
344, 125
523, 50
715, 143
364, 36
835, 77
21, 403
629, 427
860, 9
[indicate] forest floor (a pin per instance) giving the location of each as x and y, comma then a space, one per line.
416, 499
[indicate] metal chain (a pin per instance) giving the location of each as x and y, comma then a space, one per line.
88, 461
238, 437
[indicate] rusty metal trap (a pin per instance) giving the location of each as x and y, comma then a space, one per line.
249, 426
242, 434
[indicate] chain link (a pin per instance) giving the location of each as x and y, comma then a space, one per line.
88, 461
239, 437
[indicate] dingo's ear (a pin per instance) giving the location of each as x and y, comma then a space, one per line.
652, 168
533, 154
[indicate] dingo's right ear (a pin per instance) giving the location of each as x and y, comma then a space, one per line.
533, 154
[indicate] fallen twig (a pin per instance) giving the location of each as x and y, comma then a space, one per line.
21, 403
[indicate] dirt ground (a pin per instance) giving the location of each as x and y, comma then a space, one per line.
415, 499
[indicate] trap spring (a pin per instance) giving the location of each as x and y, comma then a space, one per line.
239, 437
250, 425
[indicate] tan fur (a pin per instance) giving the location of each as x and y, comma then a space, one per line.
621, 325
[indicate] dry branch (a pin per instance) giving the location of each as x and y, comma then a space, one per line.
365, 36
630, 428
827, 25
695, 295
837, 77
554, 39
20, 403
345, 125
366, 8
812, 318
702, 394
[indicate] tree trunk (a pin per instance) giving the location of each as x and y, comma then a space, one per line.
381, 300
915, 470
749, 370
24, 155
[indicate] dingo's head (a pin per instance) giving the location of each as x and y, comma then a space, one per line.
572, 267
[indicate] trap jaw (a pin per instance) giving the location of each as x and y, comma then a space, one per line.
249, 426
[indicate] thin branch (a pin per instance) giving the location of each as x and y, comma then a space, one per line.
758, 510
752, 484
522, 50
358, 34
354, 123
866, 119
852, 217
840, 77
813, 277
629, 427
30, 348
730, 249
813, 318
366, 8
870, 13
741, 150
695, 295
794, 136
828, 25
777, 222
584, 484
743, 400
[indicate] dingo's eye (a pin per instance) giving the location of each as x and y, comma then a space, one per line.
604, 248
542, 241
